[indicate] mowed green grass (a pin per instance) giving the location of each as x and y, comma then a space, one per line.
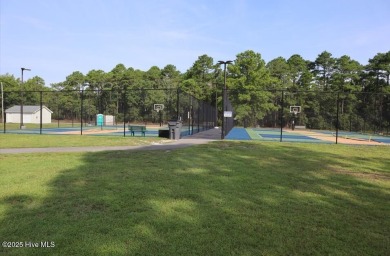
44, 141
223, 198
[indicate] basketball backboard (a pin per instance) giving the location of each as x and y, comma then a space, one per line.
295, 109
158, 107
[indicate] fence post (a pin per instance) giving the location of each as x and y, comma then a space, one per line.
2, 102
4, 115
40, 114
191, 115
58, 115
337, 117
203, 116
381, 112
223, 114
198, 114
177, 104
216, 107
124, 109
82, 110
281, 117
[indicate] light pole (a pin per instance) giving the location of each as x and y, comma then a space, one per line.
224, 95
216, 105
21, 99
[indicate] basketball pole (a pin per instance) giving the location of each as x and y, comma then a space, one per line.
225, 63
337, 117
281, 118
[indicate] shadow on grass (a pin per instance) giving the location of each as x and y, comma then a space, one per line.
226, 198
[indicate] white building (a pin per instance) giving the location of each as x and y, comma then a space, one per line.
31, 114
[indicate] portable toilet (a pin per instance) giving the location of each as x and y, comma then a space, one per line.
99, 119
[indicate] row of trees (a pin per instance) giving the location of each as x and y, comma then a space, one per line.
252, 85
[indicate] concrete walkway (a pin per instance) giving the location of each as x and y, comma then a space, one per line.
196, 139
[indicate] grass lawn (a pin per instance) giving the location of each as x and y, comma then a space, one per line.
44, 141
224, 198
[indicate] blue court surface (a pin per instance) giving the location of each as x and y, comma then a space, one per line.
88, 130
269, 134
382, 140
44, 130
315, 136
286, 137
238, 134
99, 131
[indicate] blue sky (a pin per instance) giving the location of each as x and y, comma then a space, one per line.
56, 38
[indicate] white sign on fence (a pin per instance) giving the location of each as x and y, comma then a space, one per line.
228, 114
109, 120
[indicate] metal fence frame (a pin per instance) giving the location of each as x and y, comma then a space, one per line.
374, 122
196, 115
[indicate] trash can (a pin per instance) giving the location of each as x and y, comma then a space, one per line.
174, 129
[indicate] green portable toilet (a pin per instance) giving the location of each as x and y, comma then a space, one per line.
99, 119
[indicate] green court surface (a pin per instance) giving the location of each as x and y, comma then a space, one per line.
312, 136
86, 130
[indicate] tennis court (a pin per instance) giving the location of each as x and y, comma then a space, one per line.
358, 136
87, 130
114, 130
306, 135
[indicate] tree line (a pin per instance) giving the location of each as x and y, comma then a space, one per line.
254, 87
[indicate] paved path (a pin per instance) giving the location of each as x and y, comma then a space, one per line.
196, 139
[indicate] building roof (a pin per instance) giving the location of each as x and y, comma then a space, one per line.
26, 109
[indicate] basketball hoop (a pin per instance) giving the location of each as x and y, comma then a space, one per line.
158, 107
295, 109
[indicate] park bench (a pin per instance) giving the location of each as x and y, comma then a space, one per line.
137, 128
300, 127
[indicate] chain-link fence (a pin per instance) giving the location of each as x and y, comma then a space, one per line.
104, 112
111, 112
228, 115
332, 114
196, 115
